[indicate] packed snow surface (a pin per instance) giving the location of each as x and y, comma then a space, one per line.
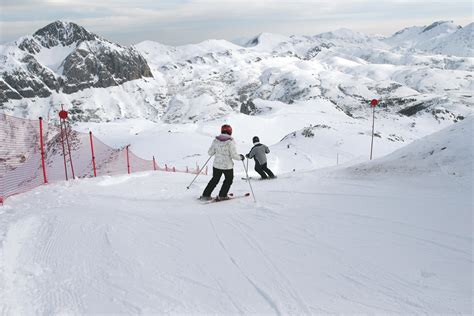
339, 240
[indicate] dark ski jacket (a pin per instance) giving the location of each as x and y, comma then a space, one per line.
259, 152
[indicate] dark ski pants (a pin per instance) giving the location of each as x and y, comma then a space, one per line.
216, 176
263, 170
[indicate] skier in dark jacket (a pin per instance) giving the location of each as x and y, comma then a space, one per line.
259, 153
223, 147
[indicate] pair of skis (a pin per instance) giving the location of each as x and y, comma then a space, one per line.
231, 196
252, 178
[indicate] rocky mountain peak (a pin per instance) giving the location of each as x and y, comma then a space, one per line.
64, 57
62, 33
447, 24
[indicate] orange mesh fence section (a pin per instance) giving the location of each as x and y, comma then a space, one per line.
66, 152
20, 161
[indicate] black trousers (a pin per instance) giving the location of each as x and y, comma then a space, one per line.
216, 176
263, 170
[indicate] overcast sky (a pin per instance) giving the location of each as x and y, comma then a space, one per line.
189, 21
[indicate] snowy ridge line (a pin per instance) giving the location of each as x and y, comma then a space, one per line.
67, 154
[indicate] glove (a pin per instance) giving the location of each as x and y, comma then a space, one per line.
242, 157
247, 155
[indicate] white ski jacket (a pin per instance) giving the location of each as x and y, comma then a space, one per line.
223, 147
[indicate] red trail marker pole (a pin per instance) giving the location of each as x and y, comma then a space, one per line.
64, 150
93, 156
373, 104
69, 149
62, 121
45, 180
128, 159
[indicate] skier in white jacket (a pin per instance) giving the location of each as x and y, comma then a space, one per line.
223, 147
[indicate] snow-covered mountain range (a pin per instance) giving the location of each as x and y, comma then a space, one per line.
418, 69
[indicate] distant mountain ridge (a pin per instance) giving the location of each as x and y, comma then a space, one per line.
417, 71
441, 37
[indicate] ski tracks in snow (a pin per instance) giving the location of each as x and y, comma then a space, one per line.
136, 248
284, 283
285, 299
15, 273
264, 295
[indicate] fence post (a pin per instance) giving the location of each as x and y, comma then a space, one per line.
174, 169
166, 167
45, 180
92, 152
128, 160
206, 170
187, 169
154, 163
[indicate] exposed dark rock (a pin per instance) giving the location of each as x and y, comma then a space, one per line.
44, 74
25, 85
313, 52
29, 45
435, 24
101, 66
248, 108
253, 42
395, 102
307, 132
395, 138
7, 93
391, 88
63, 33
412, 110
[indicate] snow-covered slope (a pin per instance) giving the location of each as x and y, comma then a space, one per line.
442, 37
316, 242
302, 135
449, 151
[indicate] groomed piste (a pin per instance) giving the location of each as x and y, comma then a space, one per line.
393, 235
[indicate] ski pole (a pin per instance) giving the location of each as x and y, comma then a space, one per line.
248, 179
199, 172
247, 168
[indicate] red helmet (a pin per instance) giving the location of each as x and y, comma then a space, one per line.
226, 129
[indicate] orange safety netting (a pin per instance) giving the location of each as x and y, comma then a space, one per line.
67, 154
